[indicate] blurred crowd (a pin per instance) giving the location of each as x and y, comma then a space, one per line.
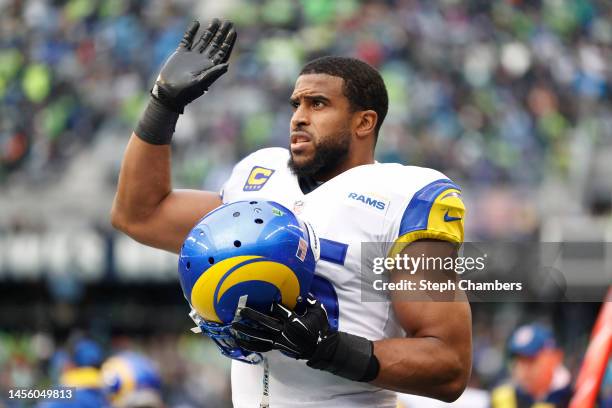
193, 373
490, 91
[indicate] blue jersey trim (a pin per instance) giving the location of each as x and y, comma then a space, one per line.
416, 213
333, 251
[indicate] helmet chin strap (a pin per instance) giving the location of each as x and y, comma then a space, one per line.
242, 300
265, 395
196, 319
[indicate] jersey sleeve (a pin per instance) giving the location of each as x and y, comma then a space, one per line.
436, 211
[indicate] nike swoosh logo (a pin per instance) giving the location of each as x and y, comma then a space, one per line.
448, 218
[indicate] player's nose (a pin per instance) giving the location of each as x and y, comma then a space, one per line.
299, 118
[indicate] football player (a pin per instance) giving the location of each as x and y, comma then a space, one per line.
132, 381
329, 177
82, 373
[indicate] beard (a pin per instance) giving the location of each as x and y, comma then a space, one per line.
328, 154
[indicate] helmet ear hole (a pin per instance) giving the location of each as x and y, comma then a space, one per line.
237, 244
253, 202
188, 265
211, 260
258, 221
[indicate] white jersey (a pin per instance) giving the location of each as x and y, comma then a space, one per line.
382, 203
471, 398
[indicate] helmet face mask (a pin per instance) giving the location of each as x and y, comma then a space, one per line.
221, 335
250, 253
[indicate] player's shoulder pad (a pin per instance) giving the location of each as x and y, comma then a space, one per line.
252, 172
397, 179
261, 165
435, 210
269, 156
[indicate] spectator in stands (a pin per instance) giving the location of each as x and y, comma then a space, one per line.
85, 377
538, 377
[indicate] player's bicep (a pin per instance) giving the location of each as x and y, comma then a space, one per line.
169, 224
444, 329
449, 321
440, 317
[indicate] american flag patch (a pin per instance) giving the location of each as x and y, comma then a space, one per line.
302, 250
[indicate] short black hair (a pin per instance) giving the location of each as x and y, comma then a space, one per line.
363, 85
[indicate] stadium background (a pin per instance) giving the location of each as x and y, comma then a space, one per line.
511, 99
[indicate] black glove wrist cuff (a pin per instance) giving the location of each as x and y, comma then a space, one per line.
157, 123
348, 356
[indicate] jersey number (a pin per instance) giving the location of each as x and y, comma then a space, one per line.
323, 289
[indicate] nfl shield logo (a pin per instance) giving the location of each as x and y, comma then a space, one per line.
297, 207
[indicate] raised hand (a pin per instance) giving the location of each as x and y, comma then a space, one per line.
193, 67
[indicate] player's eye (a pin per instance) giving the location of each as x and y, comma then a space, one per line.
294, 104
317, 104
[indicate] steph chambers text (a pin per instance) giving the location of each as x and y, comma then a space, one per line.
450, 285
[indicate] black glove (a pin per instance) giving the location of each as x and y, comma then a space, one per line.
185, 76
307, 336
295, 335
192, 68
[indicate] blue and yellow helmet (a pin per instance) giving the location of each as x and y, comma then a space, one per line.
129, 376
247, 253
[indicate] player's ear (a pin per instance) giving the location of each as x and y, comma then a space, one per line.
365, 123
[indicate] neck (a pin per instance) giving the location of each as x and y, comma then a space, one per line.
351, 160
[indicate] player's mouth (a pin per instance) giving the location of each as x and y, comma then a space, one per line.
299, 141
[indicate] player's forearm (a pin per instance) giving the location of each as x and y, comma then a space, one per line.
422, 366
144, 181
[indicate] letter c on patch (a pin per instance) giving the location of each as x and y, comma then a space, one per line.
257, 178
